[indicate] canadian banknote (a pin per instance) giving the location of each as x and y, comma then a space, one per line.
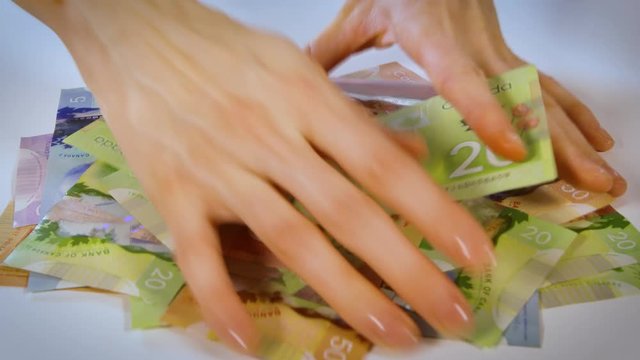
285, 333
558, 202
29, 182
525, 329
90, 240
40, 282
9, 238
526, 250
98, 140
77, 108
619, 282
385, 88
460, 162
606, 240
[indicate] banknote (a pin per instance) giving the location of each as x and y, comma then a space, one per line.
90, 240
558, 202
460, 162
9, 238
619, 282
385, 87
393, 71
97, 140
13, 277
285, 332
77, 108
606, 240
32, 165
125, 189
40, 282
526, 328
526, 250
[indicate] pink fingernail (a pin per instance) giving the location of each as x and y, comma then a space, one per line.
394, 333
457, 321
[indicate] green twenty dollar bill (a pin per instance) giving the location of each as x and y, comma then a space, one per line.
606, 240
97, 139
527, 249
460, 162
619, 282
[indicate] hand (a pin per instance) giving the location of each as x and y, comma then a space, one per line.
458, 43
214, 118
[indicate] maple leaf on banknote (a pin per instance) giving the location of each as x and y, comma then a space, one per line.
80, 188
463, 281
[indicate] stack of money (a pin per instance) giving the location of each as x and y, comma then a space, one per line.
80, 219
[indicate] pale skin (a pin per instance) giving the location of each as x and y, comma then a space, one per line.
216, 119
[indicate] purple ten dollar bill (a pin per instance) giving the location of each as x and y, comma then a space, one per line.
32, 165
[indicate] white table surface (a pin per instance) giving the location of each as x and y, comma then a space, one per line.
592, 47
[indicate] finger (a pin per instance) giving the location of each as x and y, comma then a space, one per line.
579, 114
198, 253
302, 247
358, 223
577, 162
411, 142
402, 184
350, 32
462, 83
577, 140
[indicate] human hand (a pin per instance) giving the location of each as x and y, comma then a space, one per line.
459, 43
215, 118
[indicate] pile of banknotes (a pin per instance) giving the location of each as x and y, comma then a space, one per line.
80, 219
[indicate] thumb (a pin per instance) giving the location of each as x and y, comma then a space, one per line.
350, 32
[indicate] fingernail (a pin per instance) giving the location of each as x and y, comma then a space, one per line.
606, 139
395, 333
241, 344
515, 145
457, 321
619, 185
601, 175
477, 259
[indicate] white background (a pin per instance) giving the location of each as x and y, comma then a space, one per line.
593, 47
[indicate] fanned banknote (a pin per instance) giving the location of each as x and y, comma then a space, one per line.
285, 333
9, 238
619, 282
558, 202
98, 140
77, 108
460, 162
385, 88
32, 165
526, 250
42, 282
526, 328
606, 240
90, 240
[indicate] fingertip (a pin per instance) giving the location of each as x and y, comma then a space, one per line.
513, 148
602, 141
619, 186
456, 319
239, 332
590, 176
